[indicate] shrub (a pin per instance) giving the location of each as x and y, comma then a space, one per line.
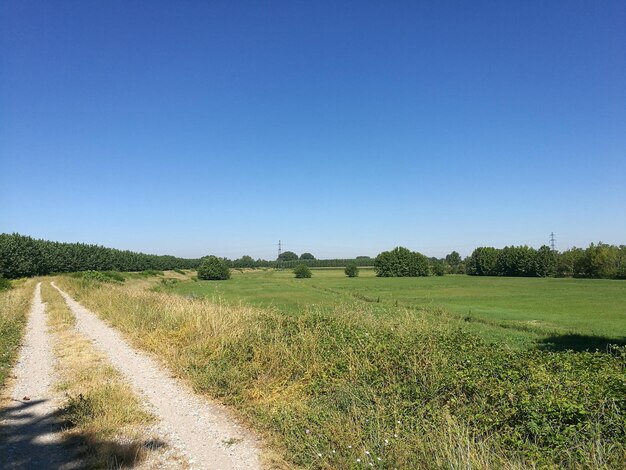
5, 284
351, 270
307, 256
213, 269
302, 271
401, 262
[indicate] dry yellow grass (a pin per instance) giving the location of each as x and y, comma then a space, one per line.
103, 413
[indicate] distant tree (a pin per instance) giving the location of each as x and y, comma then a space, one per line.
438, 267
351, 270
401, 262
244, 262
363, 257
287, 256
302, 271
545, 262
307, 256
213, 269
482, 262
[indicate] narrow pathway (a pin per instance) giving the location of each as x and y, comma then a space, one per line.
203, 432
30, 427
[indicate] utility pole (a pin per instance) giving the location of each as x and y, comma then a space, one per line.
552, 241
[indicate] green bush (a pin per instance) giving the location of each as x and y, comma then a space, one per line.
401, 262
213, 269
302, 271
351, 270
5, 284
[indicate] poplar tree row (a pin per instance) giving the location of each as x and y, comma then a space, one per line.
22, 256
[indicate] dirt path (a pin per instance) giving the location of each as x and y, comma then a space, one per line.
30, 426
203, 432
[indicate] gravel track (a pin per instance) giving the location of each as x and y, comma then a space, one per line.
201, 431
30, 426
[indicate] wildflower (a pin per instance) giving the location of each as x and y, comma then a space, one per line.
308, 431
358, 460
395, 435
386, 441
319, 455
367, 452
379, 459
349, 447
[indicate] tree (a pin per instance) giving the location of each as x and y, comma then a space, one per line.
287, 256
401, 262
351, 270
213, 269
545, 262
302, 271
482, 262
453, 259
307, 256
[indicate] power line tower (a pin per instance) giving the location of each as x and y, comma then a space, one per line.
552, 241
279, 248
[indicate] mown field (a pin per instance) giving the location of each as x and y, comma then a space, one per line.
552, 313
334, 377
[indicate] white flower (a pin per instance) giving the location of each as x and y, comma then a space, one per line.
349, 447
358, 460
367, 452
319, 455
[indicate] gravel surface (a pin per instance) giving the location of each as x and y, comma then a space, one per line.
30, 427
201, 431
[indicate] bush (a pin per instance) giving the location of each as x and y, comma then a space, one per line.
401, 262
307, 256
213, 269
302, 271
5, 284
351, 270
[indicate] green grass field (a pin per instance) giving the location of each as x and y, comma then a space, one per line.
556, 313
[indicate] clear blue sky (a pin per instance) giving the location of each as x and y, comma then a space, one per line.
342, 128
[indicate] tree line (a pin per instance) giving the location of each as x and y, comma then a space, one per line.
23, 256
597, 261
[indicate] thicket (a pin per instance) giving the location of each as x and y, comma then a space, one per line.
302, 271
401, 262
5, 284
213, 268
352, 270
23, 256
597, 261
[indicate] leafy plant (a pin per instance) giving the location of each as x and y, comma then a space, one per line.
302, 271
5, 284
351, 270
401, 262
213, 269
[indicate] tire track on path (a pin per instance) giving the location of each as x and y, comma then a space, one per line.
203, 432
30, 426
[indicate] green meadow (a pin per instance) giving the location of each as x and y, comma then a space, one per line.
550, 312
